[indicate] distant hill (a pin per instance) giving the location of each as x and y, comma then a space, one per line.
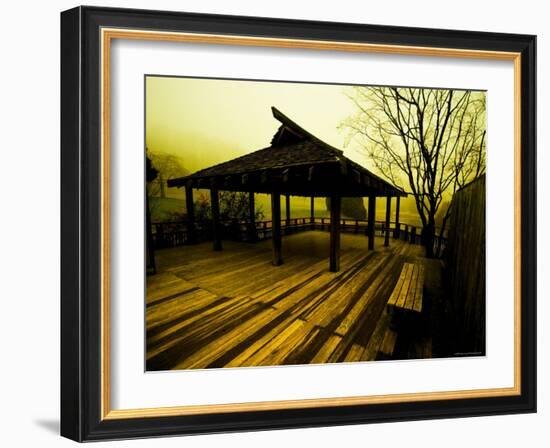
168, 166
164, 209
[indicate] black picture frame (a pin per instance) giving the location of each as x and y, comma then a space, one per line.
81, 224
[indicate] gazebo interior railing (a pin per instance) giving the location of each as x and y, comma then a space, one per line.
168, 234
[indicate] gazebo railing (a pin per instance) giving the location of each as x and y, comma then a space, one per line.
176, 233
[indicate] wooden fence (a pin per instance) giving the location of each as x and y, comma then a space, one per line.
171, 234
465, 266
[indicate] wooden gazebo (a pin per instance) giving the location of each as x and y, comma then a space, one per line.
295, 164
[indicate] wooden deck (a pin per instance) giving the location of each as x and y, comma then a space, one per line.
233, 308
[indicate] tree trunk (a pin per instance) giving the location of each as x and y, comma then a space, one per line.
442, 231
427, 237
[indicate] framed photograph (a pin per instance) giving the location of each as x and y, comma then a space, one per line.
272, 223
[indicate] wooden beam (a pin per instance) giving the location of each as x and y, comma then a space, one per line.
334, 257
310, 173
387, 226
276, 228
216, 228
227, 181
191, 234
343, 167
287, 209
312, 210
397, 224
286, 175
252, 217
264, 177
371, 218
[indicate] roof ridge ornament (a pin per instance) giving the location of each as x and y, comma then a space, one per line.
292, 132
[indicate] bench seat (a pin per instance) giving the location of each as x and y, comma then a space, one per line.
408, 292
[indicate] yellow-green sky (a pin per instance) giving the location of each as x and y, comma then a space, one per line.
209, 121
206, 121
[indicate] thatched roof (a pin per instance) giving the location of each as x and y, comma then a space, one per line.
296, 163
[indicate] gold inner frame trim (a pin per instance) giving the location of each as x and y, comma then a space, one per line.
107, 35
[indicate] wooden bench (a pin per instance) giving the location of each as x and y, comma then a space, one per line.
387, 347
407, 295
404, 308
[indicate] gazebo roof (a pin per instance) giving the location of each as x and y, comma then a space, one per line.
296, 163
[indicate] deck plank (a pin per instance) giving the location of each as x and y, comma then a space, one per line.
233, 308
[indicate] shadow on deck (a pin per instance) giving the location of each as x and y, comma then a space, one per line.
233, 308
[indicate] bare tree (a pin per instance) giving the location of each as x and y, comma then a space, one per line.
429, 142
168, 166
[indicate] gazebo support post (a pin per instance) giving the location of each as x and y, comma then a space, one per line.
387, 226
397, 225
371, 218
216, 229
252, 217
334, 261
287, 209
312, 212
151, 264
276, 228
191, 234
